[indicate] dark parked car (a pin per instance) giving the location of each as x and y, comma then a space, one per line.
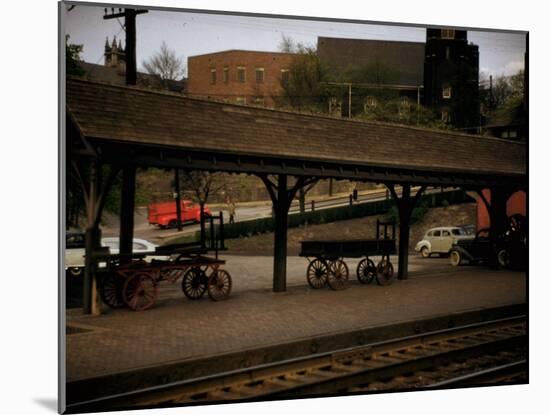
474, 250
510, 247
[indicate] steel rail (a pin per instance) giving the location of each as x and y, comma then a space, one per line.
320, 373
491, 375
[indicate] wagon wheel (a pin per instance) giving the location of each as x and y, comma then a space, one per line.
111, 290
366, 271
140, 291
317, 273
384, 272
194, 283
172, 274
338, 276
219, 285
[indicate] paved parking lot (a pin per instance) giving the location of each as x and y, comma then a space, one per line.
177, 329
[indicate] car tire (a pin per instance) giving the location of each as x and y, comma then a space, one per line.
456, 258
76, 271
425, 252
503, 258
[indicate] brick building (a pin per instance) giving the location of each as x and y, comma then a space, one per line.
238, 76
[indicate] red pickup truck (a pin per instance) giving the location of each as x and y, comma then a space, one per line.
164, 214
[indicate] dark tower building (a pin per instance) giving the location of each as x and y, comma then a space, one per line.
115, 55
451, 77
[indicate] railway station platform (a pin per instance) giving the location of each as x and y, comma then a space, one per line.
179, 338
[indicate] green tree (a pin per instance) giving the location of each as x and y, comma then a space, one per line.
303, 87
504, 89
72, 58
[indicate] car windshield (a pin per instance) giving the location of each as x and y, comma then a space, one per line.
458, 231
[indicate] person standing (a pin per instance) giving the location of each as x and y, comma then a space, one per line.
231, 209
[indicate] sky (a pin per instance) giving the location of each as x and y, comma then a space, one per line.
189, 34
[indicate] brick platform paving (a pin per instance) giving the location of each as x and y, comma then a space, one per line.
177, 329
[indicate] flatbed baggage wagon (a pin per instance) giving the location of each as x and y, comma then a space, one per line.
133, 282
328, 265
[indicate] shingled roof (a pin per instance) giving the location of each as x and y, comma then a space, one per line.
132, 115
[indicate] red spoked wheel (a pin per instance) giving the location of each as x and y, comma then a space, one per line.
366, 271
140, 291
219, 285
317, 273
338, 275
384, 272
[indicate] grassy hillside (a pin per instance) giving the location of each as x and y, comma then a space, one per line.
355, 228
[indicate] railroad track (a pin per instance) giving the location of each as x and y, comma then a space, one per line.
484, 353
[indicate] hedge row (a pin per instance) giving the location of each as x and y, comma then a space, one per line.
259, 226
263, 225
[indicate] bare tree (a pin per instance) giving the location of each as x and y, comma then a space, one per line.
287, 44
165, 64
202, 185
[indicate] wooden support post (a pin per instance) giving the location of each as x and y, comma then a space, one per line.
92, 241
405, 206
405, 212
281, 227
90, 292
178, 198
127, 204
94, 199
281, 198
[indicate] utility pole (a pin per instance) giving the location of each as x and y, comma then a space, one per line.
128, 192
130, 29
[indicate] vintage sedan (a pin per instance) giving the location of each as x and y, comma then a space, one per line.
74, 252
440, 240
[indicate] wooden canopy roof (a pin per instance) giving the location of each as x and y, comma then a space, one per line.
161, 128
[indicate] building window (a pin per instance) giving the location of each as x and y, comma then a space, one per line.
213, 76
445, 117
241, 74
285, 76
259, 101
447, 33
513, 134
225, 75
259, 75
240, 100
447, 92
447, 53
